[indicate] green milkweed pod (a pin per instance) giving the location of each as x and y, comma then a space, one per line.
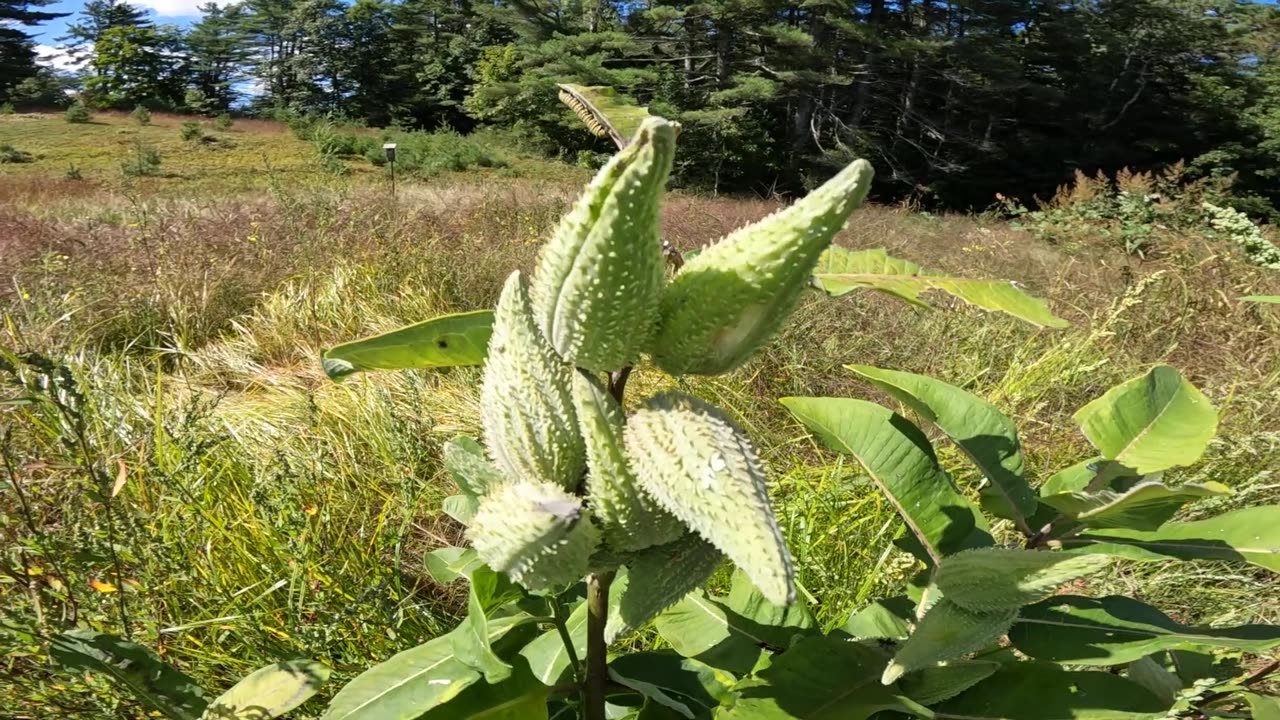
946, 632
702, 469
992, 578
628, 518
664, 575
601, 274
526, 405
535, 532
734, 295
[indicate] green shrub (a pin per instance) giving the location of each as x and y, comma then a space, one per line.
144, 162
141, 115
223, 122
7, 108
426, 155
191, 131
73, 172
78, 113
11, 154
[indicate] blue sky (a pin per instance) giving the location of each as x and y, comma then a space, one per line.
175, 12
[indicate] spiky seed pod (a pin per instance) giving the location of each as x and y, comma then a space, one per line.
465, 461
600, 275
526, 405
692, 459
535, 532
947, 631
734, 295
628, 518
663, 575
992, 578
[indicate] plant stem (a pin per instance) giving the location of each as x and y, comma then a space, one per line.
558, 610
597, 681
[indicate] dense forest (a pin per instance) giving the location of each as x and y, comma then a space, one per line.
953, 100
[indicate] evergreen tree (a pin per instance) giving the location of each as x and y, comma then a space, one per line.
17, 51
219, 54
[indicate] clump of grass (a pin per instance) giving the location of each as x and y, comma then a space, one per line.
7, 108
77, 113
223, 122
191, 131
11, 154
141, 115
73, 172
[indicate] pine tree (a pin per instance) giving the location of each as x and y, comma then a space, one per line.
219, 53
17, 51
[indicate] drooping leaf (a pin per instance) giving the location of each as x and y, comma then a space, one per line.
1144, 506
1150, 423
446, 564
446, 341
1115, 630
819, 678
687, 686
471, 641
604, 112
889, 619
1076, 478
269, 692
547, 656
139, 670
1160, 682
1046, 691
935, 684
1250, 535
1263, 707
842, 270
985, 434
461, 508
989, 579
412, 682
900, 460
946, 632
520, 697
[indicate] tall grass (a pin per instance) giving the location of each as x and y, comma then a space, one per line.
260, 510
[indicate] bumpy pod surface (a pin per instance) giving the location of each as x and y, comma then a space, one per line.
658, 578
628, 518
526, 405
733, 297
535, 532
601, 274
702, 469
989, 579
947, 631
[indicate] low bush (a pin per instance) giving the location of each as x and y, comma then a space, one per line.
223, 122
11, 154
141, 115
145, 161
424, 155
191, 131
78, 113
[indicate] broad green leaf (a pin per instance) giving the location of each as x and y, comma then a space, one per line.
469, 467
446, 341
1075, 478
682, 684
888, 619
1261, 298
269, 692
984, 433
603, 112
841, 270
1160, 682
1046, 691
933, 685
900, 460
148, 678
1150, 423
1115, 630
1145, 506
1250, 535
446, 564
519, 697
547, 656
412, 682
471, 644
946, 632
704, 628
1264, 707
819, 678
777, 624
461, 508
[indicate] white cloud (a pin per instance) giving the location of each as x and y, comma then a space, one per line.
56, 58
173, 8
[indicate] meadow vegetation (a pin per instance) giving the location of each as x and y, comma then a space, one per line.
178, 469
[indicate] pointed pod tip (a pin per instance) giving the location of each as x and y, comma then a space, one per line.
892, 673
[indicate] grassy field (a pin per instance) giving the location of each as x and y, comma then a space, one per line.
184, 466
